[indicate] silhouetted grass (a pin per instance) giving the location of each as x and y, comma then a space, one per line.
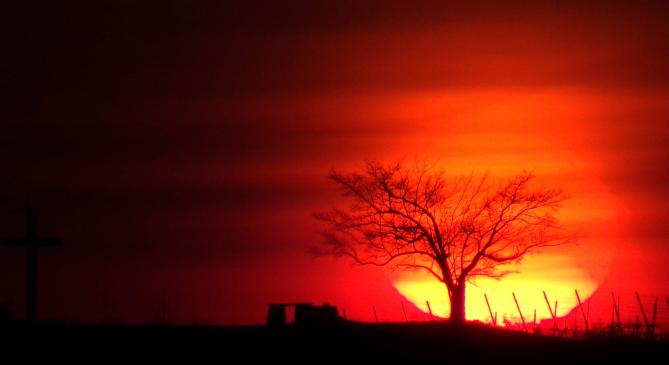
344, 342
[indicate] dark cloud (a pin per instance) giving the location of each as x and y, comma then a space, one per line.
116, 54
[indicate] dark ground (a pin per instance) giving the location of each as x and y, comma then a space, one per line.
415, 343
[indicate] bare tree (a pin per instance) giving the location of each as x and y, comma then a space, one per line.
415, 217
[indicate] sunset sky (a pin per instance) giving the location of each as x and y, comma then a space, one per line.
180, 150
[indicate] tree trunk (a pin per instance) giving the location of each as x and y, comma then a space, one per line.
458, 304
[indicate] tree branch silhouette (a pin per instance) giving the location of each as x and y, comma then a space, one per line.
415, 217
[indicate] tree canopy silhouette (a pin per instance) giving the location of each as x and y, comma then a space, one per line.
415, 217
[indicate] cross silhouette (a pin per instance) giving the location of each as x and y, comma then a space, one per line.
32, 243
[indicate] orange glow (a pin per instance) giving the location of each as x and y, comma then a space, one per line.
506, 132
554, 132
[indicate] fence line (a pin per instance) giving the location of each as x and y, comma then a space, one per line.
618, 315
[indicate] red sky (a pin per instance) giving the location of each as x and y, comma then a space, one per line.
180, 151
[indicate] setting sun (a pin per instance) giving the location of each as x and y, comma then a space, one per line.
558, 275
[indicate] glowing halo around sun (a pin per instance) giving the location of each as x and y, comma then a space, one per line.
558, 275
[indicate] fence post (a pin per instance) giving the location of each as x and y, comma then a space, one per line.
580, 304
555, 325
616, 307
616, 314
493, 319
522, 319
375, 316
652, 333
643, 312
404, 311
429, 309
556, 303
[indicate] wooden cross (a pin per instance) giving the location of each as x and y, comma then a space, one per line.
31, 242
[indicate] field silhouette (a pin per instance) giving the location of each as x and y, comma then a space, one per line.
337, 342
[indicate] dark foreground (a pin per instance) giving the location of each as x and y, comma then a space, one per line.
415, 343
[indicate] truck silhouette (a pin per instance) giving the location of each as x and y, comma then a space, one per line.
305, 314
